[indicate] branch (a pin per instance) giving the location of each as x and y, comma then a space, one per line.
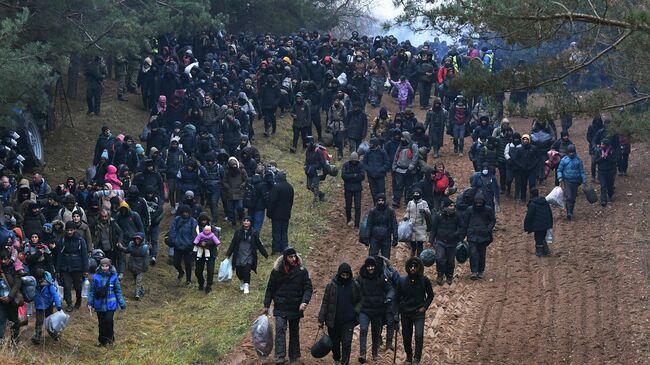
168, 5
578, 68
627, 103
101, 36
586, 18
83, 29
9, 6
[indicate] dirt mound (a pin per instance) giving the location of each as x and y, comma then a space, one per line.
585, 304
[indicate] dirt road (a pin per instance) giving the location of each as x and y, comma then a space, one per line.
586, 304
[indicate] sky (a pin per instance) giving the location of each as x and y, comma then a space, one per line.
384, 10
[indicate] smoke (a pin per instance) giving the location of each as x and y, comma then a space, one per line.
385, 11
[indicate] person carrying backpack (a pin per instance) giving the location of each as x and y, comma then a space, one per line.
104, 296
570, 174
446, 231
72, 263
538, 220
382, 226
404, 167
46, 295
10, 294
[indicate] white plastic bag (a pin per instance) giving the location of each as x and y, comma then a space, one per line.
387, 83
364, 147
556, 197
225, 271
56, 322
404, 231
262, 333
549, 236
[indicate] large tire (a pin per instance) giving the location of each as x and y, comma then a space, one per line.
30, 143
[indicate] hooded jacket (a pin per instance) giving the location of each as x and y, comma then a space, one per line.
72, 255
376, 290
414, 291
234, 180
288, 287
183, 230
353, 174
539, 216
479, 222
130, 223
447, 229
113, 297
571, 170
280, 200
138, 255
377, 163
341, 299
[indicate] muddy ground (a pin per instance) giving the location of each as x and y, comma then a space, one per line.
585, 304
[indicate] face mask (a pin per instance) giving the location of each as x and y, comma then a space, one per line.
381, 205
416, 197
485, 171
404, 143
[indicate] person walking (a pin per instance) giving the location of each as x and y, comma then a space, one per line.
382, 226
417, 212
243, 249
339, 310
413, 297
72, 263
181, 235
353, 174
446, 231
104, 296
571, 173
538, 220
290, 289
280, 203
478, 225
606, 160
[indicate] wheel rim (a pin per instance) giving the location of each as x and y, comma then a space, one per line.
34, 139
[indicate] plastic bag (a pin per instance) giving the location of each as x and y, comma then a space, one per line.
462, 252
549, 236
262, 333
556, 197
225, 271
56, 322
404, 231
387, 84
364, 147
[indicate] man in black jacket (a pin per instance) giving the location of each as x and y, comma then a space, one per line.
478, 226
72, 264
413, 298
339, 312
376, 294
446, 231
290, 289
539, 219
526, 161
353, 174
314, 169
280, 202
382, 226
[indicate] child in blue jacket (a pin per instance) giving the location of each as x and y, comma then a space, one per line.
46, 295
105, 296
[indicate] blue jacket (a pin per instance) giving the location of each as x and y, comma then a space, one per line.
45, 296
377, 163
113, 296
182, 233
571, 170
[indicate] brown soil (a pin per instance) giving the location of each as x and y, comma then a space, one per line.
586, 304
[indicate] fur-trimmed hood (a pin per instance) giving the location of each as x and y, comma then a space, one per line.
278, 263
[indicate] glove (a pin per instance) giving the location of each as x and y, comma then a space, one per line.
123, 307
394, 243
59, 309
405, 219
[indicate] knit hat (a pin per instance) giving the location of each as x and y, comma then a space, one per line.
104, 155
354, 156
571, 148
139, 149
105, 261
189, 194
525, 136
230, 111
70, 225
289, 251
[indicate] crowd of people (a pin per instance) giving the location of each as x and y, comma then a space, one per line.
197, 153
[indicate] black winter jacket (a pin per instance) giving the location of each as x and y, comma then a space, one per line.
352, 175
328, 308
280, 199
539, 216
447, 229
288, 289
376, 291
233, 249
415, 292
382, 224
72, 255
479, 223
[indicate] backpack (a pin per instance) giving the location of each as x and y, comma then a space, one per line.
28, 288
249, 196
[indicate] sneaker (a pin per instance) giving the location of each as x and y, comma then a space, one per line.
350, 224
474, 276
375, 357
152, 262
280, 361
460, 154
440, 279
292, 149
246, 291
241, 287
480, 275
137, 297
188, 284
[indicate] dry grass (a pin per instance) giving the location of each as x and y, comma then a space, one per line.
171, 324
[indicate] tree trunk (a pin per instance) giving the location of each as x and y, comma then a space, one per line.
73, 76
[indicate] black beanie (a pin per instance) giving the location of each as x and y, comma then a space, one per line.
344, 268
289, 251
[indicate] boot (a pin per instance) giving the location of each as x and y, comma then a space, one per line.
450, 279
362, 359
440, 279
546, 250
539, 250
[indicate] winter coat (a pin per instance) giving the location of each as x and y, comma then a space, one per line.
376, 163
72, 255
114, 235
33, 223
301, 115
502, 142
413, 293
146, 178
382, 224
256, 245
352, 175
104, 142
131, 223
138, 261
571, 170
190, 180
488, 185
479, 223
405, 159
314, 162
287, 288
435, 122
269, 96
539, 216
45, 296
280, 199
213, 181
606, 163
336, 118
39, 260
525, 159
181, 233
447, 229
233, 182
231, 132
415, 213
356, 125
84, 231
327, 312
376, 291
113, 297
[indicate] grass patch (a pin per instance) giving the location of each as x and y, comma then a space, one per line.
171, 324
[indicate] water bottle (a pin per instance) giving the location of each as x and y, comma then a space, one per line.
4, 288
85, 288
